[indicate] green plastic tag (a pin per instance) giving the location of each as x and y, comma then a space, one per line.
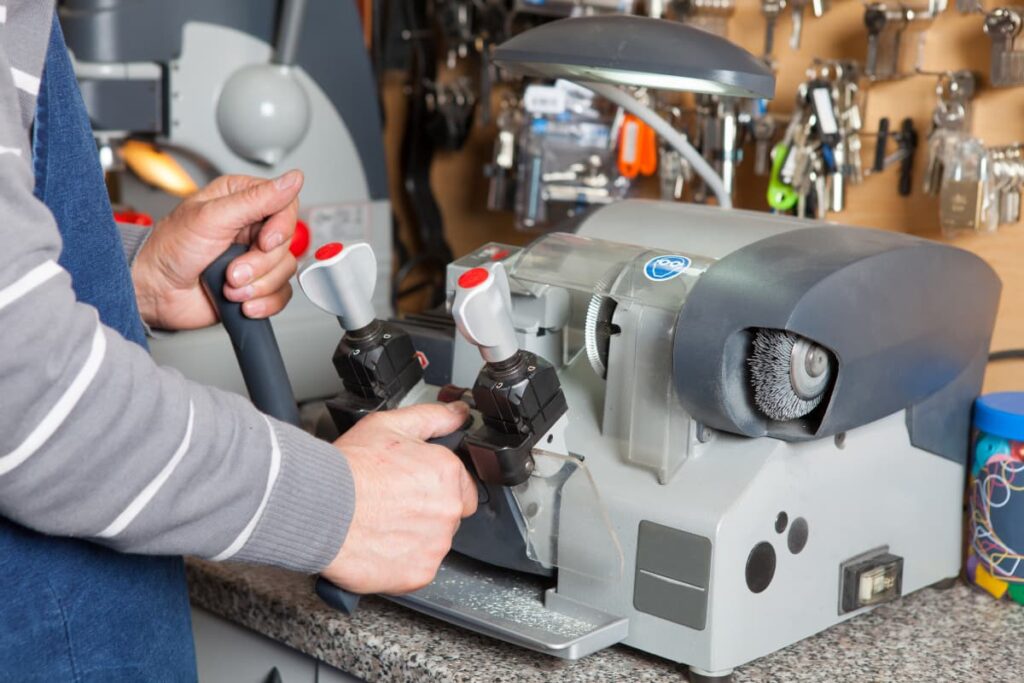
781, 196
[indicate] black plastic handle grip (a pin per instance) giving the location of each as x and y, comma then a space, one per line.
266, 378
338, 598
259, 356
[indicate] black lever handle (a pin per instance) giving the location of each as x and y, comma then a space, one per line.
908, 145
259, 356
266, 378
880, 144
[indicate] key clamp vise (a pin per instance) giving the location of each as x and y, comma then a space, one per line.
375, 359
517, 393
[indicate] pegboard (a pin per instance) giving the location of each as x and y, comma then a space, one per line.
954, 41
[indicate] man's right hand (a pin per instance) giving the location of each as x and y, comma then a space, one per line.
410, 498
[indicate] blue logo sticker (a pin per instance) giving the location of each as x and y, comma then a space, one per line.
663, 268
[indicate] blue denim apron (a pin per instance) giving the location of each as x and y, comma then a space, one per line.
71, 610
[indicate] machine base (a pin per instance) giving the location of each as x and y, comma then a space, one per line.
510, 606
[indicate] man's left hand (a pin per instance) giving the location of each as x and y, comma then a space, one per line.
253, 211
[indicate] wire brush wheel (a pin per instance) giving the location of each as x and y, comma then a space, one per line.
789, 374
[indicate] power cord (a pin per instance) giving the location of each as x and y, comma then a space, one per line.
1006, 354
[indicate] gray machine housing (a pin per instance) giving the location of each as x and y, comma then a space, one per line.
738, 542
155, 69
884, 304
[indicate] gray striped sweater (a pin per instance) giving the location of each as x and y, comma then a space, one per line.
96, 440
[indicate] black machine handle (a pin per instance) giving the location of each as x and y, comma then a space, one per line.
266, 378
259, 356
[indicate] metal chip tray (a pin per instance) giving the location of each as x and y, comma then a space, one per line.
510, 606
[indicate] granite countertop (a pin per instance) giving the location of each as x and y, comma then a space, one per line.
955, 635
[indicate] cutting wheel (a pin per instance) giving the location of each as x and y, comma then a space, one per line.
598, 328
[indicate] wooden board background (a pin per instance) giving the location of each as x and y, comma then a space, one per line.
954, 41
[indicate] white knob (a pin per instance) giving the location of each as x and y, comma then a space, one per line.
483, 312
341, 280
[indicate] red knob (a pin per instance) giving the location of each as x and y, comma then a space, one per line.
300, 240
328, 251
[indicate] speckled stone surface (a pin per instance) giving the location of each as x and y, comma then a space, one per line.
953, 635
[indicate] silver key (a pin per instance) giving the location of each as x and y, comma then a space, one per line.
852, 121
771, 9
1009, 202
673, 173
837, 181
763, 129
818, 8
940, 144
798, 23
822, 197
954, 92
796, 169
709, 15
1007, 170
797, 165
1005, 198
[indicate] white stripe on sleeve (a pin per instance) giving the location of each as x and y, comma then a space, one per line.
61, 409
3, 14
10, 150
275, 467
129, 514
27, 282
25, 81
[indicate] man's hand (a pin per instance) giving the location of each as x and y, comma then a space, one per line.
243, 209
410, 497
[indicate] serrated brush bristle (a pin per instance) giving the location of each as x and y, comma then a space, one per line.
770, 376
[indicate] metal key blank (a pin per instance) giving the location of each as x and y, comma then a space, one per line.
771, 9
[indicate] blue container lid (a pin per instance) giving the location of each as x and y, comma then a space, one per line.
1001, 414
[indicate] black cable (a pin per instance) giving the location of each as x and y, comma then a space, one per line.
415, 288
1006, 354
418, 147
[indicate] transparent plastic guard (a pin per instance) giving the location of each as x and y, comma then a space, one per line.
586, 268
636, 292
593, 266
563, 519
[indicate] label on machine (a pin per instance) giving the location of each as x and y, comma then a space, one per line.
663, 268
340, 223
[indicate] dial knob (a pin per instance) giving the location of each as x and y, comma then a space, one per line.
483, 312
341, 279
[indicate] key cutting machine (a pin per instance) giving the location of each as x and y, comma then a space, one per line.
705, 435
251, 87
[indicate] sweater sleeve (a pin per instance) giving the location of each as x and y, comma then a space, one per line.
98, 442
132, 239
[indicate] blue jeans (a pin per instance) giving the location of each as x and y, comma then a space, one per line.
71, 610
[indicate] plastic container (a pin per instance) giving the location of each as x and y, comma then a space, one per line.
995, 560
